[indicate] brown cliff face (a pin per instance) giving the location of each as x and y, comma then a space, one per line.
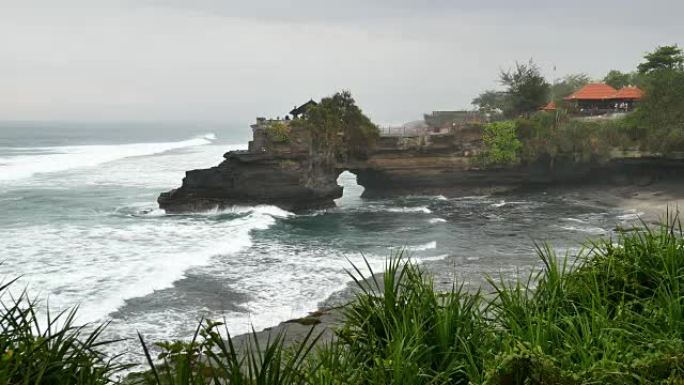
248, 179
293, 176
285, 174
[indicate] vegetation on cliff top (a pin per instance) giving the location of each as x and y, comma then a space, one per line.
339, 127
612, 315
656, 126
278, 132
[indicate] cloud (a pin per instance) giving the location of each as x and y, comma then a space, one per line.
231, 61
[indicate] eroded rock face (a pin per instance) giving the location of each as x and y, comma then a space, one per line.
243, 178
294, 177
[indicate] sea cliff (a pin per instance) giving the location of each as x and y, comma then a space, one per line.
294, 174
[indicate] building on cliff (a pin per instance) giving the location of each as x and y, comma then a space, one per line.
299, 111
601, 99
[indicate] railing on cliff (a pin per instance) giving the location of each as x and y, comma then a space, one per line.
402, 131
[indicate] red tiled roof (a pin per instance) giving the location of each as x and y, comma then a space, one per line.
593, 91
629, 93
549, 107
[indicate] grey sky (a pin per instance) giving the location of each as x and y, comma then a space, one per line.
232, 60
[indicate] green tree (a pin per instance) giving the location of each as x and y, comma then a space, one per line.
668, 57
526, 88
501, 144
339, 127
661, 112
617, 79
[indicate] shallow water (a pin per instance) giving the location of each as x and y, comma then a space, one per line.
81, 226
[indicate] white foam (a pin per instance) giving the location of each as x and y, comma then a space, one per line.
63, 158
273, 211
585, 229
11, 199
100, 266
574, 220
441, 198
437, 220
422, 260
421, 209
425, 246
503, 203
631, 215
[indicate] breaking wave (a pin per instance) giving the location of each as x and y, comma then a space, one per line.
63, 158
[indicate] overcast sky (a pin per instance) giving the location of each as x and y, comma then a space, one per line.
213, 60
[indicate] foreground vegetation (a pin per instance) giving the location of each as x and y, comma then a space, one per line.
612, 315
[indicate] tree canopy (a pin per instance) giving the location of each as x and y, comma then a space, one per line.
526, 91
491, 101
526, 88
338, 127
618, 79
668, 57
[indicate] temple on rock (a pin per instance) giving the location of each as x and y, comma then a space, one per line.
301, 110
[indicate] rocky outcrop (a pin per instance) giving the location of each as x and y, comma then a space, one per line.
244, 178
293, 176
284, 173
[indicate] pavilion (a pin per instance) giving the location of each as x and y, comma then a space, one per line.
600, 98
626, 97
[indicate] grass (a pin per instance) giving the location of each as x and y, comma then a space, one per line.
612, 315
49, 349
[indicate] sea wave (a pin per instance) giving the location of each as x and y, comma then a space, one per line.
63, 158
111, 264
420, 209
585, 229
273, 211
632, 215
425, 246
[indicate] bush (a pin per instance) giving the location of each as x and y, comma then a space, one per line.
278, 132
501, 144
550, 136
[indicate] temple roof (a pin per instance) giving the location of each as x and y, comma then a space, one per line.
593, 91
302, 109
549, 107
629, 93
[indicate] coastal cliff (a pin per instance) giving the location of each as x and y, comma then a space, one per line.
289, 175
293, 175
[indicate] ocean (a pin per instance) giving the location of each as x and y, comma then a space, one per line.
81, 227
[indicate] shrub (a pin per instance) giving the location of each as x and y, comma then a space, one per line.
278, 132
501, 144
